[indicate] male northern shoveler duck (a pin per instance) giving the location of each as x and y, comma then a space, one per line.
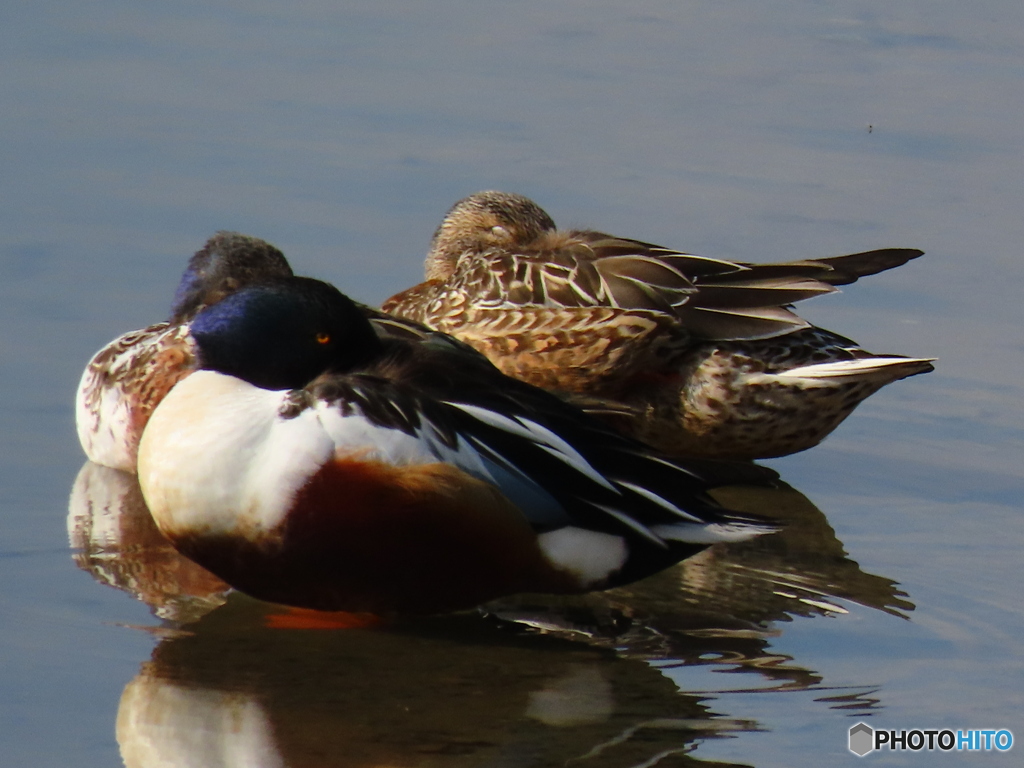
706, 355
311, 462
125, 380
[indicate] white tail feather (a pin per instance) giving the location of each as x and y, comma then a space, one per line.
870, 367
712, 533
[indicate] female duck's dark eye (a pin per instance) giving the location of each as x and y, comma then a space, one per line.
323, 338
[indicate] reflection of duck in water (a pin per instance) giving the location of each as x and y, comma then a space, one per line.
125, 380
117, 541
722, 606
719, 609
452, 691
706, 352
408, 476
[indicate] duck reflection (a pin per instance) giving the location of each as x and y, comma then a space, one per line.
721, 608
528, 681
801, 571
114, 538
450, 691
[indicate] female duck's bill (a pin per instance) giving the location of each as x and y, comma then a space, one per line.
705, 355
125, 380
312, 463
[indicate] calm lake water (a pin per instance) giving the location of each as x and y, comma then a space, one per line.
341, 132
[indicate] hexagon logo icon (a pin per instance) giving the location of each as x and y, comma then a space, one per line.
862, 738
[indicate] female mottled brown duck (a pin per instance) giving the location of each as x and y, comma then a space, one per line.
696, 356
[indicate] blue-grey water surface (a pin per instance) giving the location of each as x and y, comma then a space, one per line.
341, 132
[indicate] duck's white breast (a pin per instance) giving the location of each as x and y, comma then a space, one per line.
217, 458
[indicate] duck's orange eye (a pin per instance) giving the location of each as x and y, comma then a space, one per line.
323, 338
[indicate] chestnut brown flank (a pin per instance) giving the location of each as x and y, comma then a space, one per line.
366, 536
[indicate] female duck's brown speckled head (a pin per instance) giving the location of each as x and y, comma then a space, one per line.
481, 221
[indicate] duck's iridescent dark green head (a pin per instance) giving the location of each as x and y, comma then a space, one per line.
283, 334
228, 262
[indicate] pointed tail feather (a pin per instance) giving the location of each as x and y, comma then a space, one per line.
848, 269
887, 369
